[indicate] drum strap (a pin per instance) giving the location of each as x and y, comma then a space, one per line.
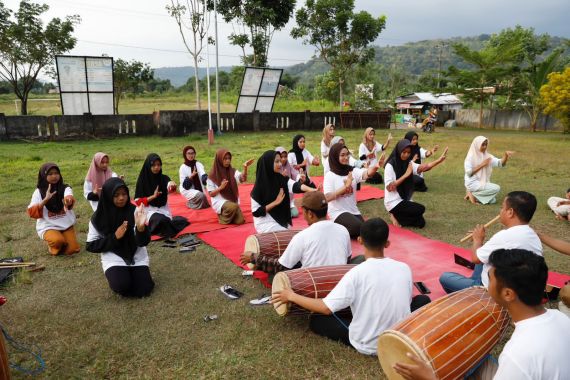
340, 321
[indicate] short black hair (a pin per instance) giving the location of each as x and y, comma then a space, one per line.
523, 203
374, 233
568, 191
318, 213
523, 271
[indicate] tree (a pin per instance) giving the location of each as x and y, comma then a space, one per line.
257, 21
27, 46
197, 24
340, 35
490, 65
129, 76
555, 97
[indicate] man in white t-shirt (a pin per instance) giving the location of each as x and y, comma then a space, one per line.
516, 212
378, 292
322, 243
539, 346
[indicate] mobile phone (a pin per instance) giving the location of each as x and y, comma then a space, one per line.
463, 261
423, 289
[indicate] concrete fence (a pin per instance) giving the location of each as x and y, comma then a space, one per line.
517, 120
178, 123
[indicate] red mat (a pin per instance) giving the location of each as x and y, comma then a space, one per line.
207, 219
427, 258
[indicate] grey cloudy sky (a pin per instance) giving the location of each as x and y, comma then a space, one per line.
142, 29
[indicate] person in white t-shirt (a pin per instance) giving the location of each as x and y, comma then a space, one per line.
378, 292
288, 171
52, 206
98, 173
301, 159
560, 206
322, 243
339, 187
479, 164
192, 180
419, 154
539, 345
328, 134
399, 185
370, 151
270, 196
222, 185
516, 212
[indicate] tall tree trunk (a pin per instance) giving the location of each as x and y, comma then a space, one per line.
340, 93
197, 81
24, 105
481, 111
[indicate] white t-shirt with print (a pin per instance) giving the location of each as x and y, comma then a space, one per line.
49, 220
377, 150
322, 243
218, 201
346, 202
306, 156
379, 293
393, 198
472, 182
517, 237
185, 172
88, 188
538, 349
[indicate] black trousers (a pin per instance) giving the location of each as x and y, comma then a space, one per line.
419, 184
130, 281
351, 222
330, 327
162, 225
409, 214
375, 179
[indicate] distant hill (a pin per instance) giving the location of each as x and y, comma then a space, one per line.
179, 75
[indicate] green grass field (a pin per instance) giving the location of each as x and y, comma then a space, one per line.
85, 331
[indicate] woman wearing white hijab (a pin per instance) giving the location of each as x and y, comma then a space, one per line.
479, 165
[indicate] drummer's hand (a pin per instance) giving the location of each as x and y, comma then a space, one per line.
281, 296
246, 257
419, 370
479, 234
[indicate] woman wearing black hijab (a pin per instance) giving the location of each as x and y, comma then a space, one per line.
398, 177
339, 187
420, 153
117, 230
270, 203
152, 191
301, 159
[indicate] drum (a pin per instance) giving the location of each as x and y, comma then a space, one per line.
315, 282
269, 243
451, 334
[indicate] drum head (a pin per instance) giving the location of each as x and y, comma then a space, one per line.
251, 244
280, 282
392, 348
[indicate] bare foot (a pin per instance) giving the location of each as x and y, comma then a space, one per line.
559, 217
394, 220
466, 197
472, 198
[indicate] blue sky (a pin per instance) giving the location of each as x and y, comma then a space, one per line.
142, 30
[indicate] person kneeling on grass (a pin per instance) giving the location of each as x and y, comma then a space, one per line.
378, 291
322, 243
539, 346
51, 205
117, 230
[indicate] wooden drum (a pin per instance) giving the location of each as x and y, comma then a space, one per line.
269, 243
451, 334
315, 282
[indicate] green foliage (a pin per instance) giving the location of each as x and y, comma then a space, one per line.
555, 97
130, 76
27, 45
258, 20
341, 36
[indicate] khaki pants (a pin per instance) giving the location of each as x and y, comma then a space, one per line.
231, 214
62, 241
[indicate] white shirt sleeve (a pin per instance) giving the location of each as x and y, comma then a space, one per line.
290, 184
293, 253
510, 369
484, 252
210, 185
362, 150
324, 149
378, 147
237, 175
200, 169
415, 167
254, 205
389, 174
342, 294
36, 198
87, 188
67, 191
423, 153
292, 158
358, 175
496, 162
468, 168
328, 183
310, 157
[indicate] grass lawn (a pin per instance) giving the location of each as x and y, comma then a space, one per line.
85, 331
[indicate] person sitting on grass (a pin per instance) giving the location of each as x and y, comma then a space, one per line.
560, 206
301, 159
152, 191
118, 232
97, 174
322, 243
539, 345
270, 196
378, 292
516, 212
370, 151
52, 207
222, 185
419, 154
